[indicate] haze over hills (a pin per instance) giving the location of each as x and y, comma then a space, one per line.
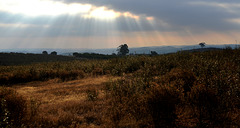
134, 50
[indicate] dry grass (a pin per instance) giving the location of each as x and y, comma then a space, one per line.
176, 90
66, 104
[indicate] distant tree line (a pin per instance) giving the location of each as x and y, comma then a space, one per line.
93, 55
12, 58
52, 53
123, 51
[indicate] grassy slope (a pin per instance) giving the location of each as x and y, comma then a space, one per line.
175, 90
62, 103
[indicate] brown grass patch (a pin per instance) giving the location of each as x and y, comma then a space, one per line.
66, 104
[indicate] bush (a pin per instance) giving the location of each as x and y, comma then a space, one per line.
161, 103
208, 108
97, 72
137, 104
182, 79
70, 75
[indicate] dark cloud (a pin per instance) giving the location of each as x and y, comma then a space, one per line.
67, 25
178, 13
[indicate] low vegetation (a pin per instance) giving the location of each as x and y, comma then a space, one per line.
93, 56
11, 59
184, 89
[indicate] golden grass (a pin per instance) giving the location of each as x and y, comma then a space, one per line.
190, 89
66, 104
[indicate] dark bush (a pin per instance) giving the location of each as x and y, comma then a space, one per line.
208, 108
180, 78
145, 105
70, 75
162, 102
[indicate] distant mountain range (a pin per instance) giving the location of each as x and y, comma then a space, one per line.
173, 49
136, 50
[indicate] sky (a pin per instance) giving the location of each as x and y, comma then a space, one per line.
97, 24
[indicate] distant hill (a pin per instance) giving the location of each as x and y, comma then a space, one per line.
202, 50
14, 58
109, 51
159, 50
173, 49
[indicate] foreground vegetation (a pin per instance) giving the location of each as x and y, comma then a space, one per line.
200, 89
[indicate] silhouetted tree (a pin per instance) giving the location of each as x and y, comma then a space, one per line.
54, 53
45, 52
75, 54
154, 53
202, 44
123, 49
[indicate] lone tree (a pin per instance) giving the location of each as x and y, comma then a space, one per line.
202, 44
54, 53
45, 52
123, 49
75, 54
154, 53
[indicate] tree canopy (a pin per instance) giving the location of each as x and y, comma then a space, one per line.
202, 44
123, 49
54, 53
45, 52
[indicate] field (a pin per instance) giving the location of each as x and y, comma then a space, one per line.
184, 89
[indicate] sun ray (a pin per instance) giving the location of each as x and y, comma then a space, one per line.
42, 7
98, 21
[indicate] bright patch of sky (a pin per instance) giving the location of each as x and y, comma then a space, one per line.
36, 8
42, 7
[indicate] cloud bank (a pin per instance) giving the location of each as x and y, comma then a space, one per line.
108, 23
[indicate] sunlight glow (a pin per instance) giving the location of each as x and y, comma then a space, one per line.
22, 25
150, 18
234, 21
102, 13
128, 14
35, 8
42, 7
